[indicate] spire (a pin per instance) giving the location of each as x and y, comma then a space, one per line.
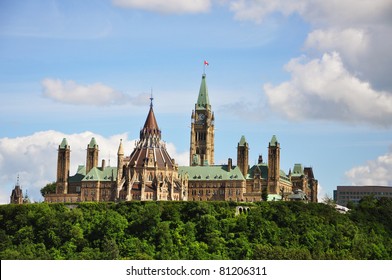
203, 102
150, 126
64, 144
151, 122
120, 148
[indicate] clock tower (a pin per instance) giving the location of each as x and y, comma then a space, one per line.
202, 129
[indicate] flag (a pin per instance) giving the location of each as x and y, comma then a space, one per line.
206, 62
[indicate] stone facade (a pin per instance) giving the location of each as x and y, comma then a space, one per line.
149, 173
242, 182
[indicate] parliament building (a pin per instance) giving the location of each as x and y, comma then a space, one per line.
149, 173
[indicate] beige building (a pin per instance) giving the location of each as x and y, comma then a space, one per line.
149, 173
207, 181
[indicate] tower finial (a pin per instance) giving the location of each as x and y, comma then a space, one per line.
151, 98
17, 180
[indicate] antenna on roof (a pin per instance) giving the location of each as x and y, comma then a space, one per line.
109, 160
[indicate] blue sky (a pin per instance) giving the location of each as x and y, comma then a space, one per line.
314, 73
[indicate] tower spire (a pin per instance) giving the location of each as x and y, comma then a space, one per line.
203, 101
151, 99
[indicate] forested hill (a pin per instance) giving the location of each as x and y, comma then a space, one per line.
195, 230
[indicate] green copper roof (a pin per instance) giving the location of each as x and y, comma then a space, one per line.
97, 174
262, 170
203, 102
211, 172
298, 170
64, 144
78, 177
242, 141
274, 141
258, 169
93, 143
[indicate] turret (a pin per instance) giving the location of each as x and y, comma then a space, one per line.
273, 165
63, 165
243, 156
92, 155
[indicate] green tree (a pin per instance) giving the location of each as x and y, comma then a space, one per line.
49, 188
264, 194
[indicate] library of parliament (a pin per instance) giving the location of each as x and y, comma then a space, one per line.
150, 173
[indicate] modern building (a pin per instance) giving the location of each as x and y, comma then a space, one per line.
343, 194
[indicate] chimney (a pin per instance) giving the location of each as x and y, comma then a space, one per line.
229, 164
103, 164
260, 159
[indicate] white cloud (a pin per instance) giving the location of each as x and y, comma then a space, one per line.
355, 29
317, 12
256, 11
324, 89
34, 158
97, 94
166, 6
350, 43
375, 172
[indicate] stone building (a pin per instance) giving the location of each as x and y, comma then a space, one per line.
148, 173
17, 195
242, 182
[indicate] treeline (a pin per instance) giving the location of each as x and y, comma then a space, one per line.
195, 230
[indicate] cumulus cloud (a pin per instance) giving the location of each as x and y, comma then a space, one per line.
324, 89
352, 43
317, 12
375, 172
34, 158
354, 29
166, 6
98, 94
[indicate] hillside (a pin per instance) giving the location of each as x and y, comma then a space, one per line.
195, 230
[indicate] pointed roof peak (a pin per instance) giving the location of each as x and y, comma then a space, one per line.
120, 148
242, 141
93, 143
274, 141
64, 143
151, 122
203, 101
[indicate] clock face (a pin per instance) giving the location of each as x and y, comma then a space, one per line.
201, 117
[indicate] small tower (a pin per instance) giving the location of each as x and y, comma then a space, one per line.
120, 161
202, 147
63, 163
243, 156
273, 165
17, 194
92, 155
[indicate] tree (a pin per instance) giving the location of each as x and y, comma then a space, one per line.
49, 188
264, 194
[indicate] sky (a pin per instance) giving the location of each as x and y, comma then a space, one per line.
315, 73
